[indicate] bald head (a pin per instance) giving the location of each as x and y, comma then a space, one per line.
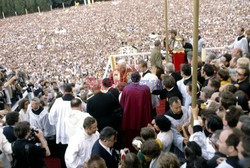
121, 62
170, 68
122, 65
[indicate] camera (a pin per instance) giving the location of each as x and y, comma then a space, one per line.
3, 75
20, 78
3, 70
33, 137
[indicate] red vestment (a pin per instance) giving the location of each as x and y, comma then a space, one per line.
178, 59
137, 110
123, 75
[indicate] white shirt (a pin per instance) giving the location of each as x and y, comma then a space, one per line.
166, 139
75, 121
41, 122
153, 163
200, 138
151, 81
242, 44
105, 147
185, 117
57, 115
23, 116
224, 164
79, 148
184, 165
186, 98
5, 147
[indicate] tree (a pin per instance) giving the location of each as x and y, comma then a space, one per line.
44, 5
19, 6
30, 5
58, 3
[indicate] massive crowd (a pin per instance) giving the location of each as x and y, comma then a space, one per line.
77, 41
53, 56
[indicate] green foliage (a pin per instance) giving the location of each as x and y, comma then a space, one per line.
58, 3
9, 7
19, 6
30, 5
44, 5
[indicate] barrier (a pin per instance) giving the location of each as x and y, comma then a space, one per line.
132, 58
215, 50
15, 106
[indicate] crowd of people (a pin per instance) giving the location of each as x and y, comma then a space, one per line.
74, 116
77, 41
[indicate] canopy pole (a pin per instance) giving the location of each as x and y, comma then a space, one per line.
195, 51
166, 29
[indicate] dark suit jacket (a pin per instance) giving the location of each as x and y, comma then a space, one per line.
164, 94
8, 131
176, 76
101, 107
111, 160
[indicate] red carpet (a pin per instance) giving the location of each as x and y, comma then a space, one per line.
160, 110
52, 162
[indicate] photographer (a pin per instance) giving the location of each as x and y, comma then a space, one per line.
25, 153
5, 102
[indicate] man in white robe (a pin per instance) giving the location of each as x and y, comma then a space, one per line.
76, 117
80, 145
178, 115
39, 118
186, 77
149, 79
57, 116
6, 151
240, 41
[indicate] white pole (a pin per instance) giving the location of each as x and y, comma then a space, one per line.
51, 7
63, 5
3, 15
26, 11
85, 2
15, 13
38, 9
89, 2
93, 2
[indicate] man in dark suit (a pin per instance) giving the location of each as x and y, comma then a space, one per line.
170, 70
101, 106
103, 147
170, 90
207, 72
8, 131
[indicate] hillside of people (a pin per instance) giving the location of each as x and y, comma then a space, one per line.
58, 110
